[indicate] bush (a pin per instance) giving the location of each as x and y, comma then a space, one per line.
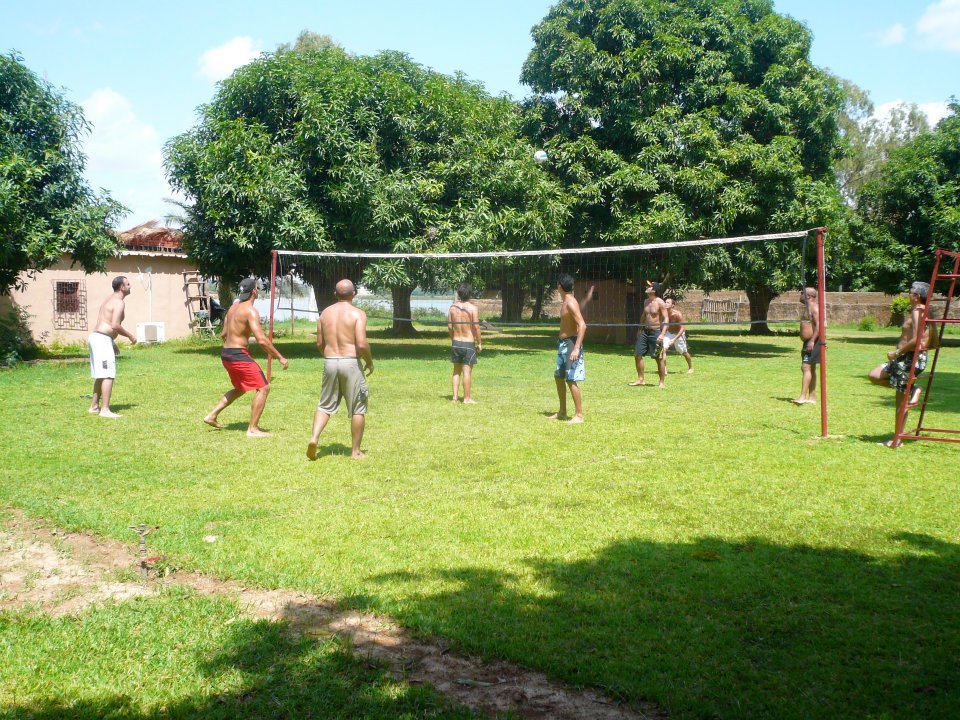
898, 309
867, 322
16, 341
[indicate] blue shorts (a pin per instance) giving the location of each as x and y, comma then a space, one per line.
571, 372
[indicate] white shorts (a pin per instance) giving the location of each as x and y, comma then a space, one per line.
678, 343
103, 360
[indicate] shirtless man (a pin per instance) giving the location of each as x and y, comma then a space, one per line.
896, 372
810, 352
569, 369
653, 328
103, 348
242, 321
676, 336
463, 322
342, 338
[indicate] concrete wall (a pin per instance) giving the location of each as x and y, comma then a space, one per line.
167, 302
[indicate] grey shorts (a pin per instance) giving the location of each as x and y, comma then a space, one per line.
463, 352
646, 342
343, 378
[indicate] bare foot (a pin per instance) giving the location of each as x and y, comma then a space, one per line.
636, 383
575, 420
558, 416
311, 450
690, 371
358, 455
94, 411
257, 432
915, 398
454, 401
212, 422
469, 402
661, 386
799, 401
892, 444
108, 414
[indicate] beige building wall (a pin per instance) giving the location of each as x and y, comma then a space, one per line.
70, 320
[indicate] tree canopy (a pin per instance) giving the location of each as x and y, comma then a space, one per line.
910, 208
321, 150
673, 120
46, 207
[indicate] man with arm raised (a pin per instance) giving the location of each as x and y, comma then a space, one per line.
342, 339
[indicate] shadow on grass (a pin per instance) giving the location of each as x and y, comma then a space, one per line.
281, 677
716, 628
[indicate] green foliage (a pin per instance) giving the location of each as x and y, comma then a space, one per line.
16, 340
320, 150
46, 207
672, 120
868, 141
910, 208
867, 322
899, 308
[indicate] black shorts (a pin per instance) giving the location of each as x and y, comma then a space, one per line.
646, 342
812, 356
463, 352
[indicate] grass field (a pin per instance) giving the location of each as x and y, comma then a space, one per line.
698, 547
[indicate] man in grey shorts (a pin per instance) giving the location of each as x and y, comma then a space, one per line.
463, 323
342, 338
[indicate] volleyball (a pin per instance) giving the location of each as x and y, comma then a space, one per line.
540, 156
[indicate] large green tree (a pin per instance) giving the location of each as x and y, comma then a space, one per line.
46, 207
910, 208
321, 150
671, 120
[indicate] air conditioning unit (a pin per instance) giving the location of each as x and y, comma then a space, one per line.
151, 332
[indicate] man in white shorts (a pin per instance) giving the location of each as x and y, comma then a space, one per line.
342, 338
103, 348
676, 335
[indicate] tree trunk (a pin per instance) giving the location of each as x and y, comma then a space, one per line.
759, 298
537, 314
224, 294
402, 312
323, 288
513, 297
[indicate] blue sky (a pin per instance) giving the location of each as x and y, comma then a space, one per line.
140, 70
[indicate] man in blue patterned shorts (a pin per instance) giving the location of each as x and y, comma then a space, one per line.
569, 369
896, 371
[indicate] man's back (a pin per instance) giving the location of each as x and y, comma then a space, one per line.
338, 324
460, 318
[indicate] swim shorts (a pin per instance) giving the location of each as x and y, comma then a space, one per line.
646, 342
343, 378
898, 369
244, 372
571, 371
463, 352
677, 342
103, 360
812, 356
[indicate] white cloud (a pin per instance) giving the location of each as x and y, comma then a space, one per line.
217, 63
893, 35
125, 156
939, 26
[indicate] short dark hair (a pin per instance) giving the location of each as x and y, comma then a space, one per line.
118, 282
464, 291
565, 281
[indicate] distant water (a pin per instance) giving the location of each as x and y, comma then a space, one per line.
306, 307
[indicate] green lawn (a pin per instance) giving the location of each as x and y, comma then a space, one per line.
698, 547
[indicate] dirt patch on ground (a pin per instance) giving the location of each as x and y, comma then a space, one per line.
62, 573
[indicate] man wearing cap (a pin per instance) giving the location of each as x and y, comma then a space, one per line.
896, 371
653, 327
342, 339
242, 321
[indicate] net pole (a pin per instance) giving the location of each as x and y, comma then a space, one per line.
273, 291
822, 302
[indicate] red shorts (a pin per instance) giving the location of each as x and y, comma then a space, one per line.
243, 370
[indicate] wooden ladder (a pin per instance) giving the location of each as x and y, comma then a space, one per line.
198, 303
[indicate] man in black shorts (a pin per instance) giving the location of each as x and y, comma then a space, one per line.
810, 351
653, 326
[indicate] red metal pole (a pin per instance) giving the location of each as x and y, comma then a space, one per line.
273, 289
822, 304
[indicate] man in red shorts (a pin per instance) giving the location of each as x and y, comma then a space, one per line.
241, 322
